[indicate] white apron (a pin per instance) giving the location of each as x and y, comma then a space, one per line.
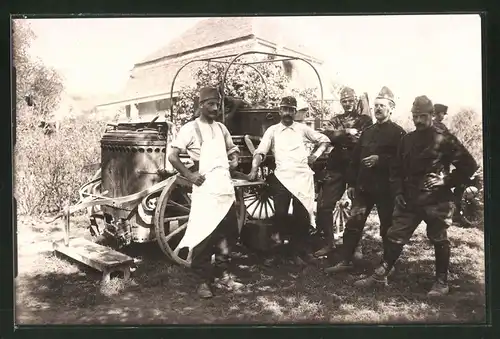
293, 171
211, 201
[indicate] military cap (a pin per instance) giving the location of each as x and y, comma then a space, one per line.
386, 93
422, 104
438, 108
289, 101
347, 93
207, 93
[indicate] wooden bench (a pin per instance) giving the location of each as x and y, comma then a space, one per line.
96, 256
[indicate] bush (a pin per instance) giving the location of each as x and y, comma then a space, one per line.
49, 169
467, 126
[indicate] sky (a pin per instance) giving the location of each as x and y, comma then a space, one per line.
435, 55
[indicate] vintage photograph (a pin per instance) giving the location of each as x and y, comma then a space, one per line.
249, 170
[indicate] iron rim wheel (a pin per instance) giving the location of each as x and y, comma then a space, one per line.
171, 219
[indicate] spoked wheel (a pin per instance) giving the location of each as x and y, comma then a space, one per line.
171, 218
341, 214
258, 200
472, 211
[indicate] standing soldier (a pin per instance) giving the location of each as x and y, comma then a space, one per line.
368, 177
212, 218
439, 112
293, 178
344, 135
423, 192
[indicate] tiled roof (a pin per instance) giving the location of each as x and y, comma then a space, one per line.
205, 33
147, 79
218, 30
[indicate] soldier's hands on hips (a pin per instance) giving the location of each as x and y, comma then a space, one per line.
400, 200
196, 178
351, 191
370, 161
433, 180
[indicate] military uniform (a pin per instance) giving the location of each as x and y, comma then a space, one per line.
371, 183
421, 154
334, 180
459, 190
439, 108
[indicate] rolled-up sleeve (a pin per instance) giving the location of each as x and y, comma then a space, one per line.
230, 146
184, 138
266, 142
315, 136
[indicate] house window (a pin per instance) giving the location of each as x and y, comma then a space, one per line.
127, 111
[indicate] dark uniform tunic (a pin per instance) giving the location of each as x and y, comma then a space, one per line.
421, 153
334, 182
440, 125
372, 183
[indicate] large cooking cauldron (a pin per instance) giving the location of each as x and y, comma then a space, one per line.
131, 154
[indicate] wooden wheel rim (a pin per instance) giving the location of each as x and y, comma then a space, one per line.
160, 227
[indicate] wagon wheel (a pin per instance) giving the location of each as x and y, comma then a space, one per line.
472, 209
171, 217
95, 189
258, 200
341, 214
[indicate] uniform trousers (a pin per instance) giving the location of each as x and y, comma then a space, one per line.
437, 216
297, 228
331, 190
362, 205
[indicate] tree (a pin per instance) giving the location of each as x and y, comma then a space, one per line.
38, 87
243, 82
22, 36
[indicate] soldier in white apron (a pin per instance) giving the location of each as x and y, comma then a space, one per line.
293, 176
212, 218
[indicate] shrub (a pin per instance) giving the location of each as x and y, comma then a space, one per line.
467, 126
49, 169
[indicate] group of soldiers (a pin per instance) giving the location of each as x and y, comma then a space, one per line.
409, 177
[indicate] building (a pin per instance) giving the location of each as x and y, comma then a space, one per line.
147, 91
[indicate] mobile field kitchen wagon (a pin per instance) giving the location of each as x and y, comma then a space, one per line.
133, 198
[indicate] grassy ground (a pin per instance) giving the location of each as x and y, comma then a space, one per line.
54, 290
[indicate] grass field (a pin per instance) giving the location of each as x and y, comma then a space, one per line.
54, 290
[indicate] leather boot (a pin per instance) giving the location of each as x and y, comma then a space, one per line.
327, 228
204, 291
442, 255
392, 251
342, 266
379, 277
439, 288
350, 240
227, 281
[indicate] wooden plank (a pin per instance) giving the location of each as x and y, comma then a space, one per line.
92, 254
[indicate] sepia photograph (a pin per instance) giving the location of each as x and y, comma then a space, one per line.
249, 170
